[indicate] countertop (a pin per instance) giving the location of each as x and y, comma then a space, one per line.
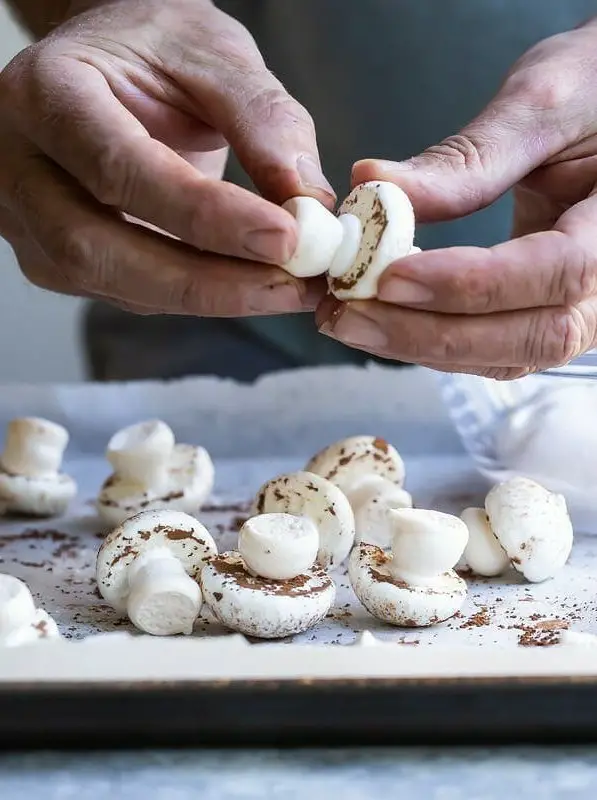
423, 774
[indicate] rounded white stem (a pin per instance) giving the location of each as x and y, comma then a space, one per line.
348, 250
163, 600
141, 454
34, 447
425, 544
278, 546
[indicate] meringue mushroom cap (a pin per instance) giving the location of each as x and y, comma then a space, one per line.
144, 442
33, 446
17, 607
483, 553
41, 627
370, 501
278, 546
396, 602
425, 542
184, 537
532, 525
388, 224
191, 472
348, 461
319, 235
263, 608
305, 494
43, 496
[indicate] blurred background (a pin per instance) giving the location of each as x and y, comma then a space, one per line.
39, 336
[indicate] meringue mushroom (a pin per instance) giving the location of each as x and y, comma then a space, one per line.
415, 585
374, 227
483, 554
30, 478
151, 472
383, 232
20, 621
371, 501
532, 526
278, 546
370, 472
247, 600
148, 566
319, 237
305, 494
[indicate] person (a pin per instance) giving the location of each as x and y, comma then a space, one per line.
115, 126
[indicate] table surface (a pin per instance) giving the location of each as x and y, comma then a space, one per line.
351, 774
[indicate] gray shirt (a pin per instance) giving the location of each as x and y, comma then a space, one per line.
387, 78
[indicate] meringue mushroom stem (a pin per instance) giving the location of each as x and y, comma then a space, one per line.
33, 447
142, 453
163, 600
348, 249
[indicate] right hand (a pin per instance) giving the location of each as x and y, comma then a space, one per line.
124, 114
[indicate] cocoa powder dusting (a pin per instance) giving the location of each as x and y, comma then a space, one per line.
295, 587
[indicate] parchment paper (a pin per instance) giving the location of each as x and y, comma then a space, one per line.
254, 433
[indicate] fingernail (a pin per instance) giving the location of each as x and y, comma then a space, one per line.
400, 290
271, 246
392, 166
311, 175
355, 329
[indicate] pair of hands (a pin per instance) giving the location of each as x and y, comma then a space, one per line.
113, 139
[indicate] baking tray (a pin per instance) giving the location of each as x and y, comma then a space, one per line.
496, 673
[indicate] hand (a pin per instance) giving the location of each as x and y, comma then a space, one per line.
125, 113
523, 305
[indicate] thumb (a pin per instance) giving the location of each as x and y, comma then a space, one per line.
470, 170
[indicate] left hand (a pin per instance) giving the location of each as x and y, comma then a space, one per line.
523, 305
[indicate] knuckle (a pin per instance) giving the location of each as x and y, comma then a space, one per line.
575, 277
542, 89
277, 108
73, 250
114, 177
555, 338
464, 152
451, 346
475, 290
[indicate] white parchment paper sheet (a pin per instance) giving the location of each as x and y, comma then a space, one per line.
254, 433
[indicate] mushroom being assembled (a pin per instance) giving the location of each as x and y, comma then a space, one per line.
532, 526
148, 566
319, 237
370, 472
30, 478
305, 494
381, 230
151, 471
270, 588
20, 621
374, 227
415, 585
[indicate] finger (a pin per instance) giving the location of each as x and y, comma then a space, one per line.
272, 134
10, 228
551, 268
70, 112
518, 131
93, 251
539, 338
